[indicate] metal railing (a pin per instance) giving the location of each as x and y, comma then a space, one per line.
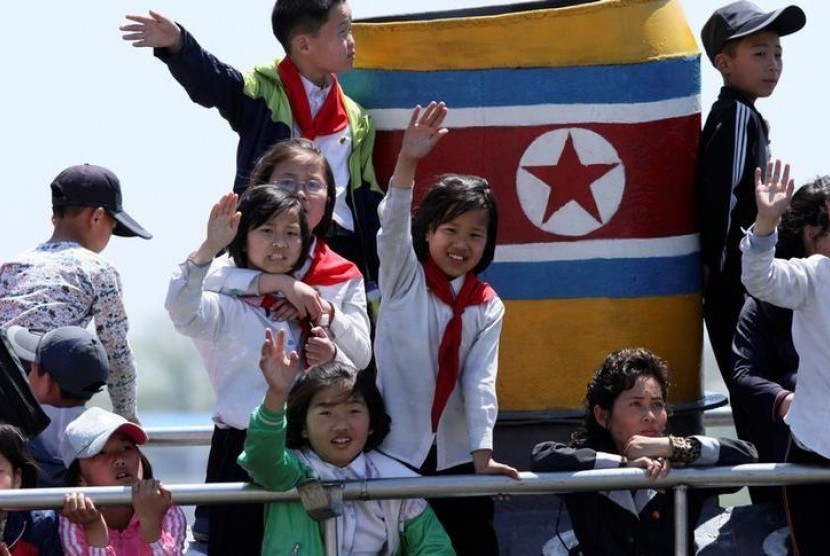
456, 486
762, 474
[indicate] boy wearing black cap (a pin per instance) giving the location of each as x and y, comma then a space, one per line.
742, 42
68, 366
64, 282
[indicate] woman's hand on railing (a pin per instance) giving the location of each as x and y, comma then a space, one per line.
654, 467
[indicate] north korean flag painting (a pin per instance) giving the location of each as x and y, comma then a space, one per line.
584, 118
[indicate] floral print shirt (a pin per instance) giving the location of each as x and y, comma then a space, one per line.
64, 284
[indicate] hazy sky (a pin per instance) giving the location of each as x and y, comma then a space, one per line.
75, 92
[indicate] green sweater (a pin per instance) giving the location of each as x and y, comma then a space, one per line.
288, 528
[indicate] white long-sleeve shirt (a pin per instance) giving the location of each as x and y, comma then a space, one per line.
228, 333
348, 329
410, 328
802, 285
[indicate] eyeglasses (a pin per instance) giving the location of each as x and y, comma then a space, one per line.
293, 186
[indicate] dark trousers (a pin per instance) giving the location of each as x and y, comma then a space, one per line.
803, 505
722, 303
232, 528
468, 521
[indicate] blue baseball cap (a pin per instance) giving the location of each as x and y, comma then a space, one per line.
74, 357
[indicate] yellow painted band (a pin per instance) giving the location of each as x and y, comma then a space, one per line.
600, 33
550, 349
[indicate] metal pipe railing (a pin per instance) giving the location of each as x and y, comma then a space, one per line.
757, 474
761, 474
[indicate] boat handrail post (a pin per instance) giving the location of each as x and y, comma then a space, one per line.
681, 517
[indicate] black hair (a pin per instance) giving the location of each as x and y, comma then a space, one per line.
808, 207
618, 373
13, 448
65, 396
72, 478
335, 373
290, 17
452, 196
286, 150
259, 204
68, 211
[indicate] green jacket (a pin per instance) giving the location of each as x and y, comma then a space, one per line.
256, 107
288, 528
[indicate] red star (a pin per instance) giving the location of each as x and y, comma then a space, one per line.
570, 180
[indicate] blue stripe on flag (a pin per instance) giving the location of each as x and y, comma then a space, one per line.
630, 83
651, 277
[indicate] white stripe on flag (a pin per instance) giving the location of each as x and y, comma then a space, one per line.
674, 246
391, 119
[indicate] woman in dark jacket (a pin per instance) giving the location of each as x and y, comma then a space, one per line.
625, 426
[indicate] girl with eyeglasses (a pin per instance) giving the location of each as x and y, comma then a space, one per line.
321, 299
326, 289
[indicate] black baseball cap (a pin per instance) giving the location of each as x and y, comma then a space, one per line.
74, 357
87, 185
740, 19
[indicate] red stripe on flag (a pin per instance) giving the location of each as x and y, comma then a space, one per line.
659, 170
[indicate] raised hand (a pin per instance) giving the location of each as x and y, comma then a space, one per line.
424, 130
222, 226
155, 31
280, 370
421, 135
772, 196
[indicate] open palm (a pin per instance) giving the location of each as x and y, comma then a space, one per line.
773, 194
279, 369
424, 130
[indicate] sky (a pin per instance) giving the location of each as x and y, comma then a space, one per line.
75, 92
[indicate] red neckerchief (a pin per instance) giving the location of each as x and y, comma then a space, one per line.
473, 292
332, 115
328, 268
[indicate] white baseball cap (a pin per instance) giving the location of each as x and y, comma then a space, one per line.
86, 436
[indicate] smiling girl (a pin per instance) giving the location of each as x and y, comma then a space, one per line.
267, 231
325, 424
437, 341
625, 425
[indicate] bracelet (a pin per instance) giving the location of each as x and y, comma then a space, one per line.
623, 461
684, 449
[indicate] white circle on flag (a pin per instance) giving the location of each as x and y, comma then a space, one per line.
592, 153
